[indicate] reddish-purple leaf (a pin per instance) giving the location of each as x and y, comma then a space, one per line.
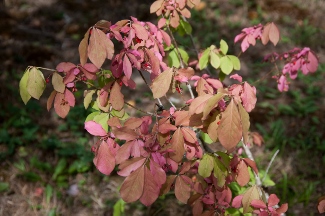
127, 67
237, 201
273, 200
104, 159
177, 144
182, 190
116, 98
151, 189
140, 31
258, 204
248, 97
251, 164
230, 128
65, 67
95, 129
69, 97
61, 106
197, 208
158, 173
124, 152
127, 167
132, 187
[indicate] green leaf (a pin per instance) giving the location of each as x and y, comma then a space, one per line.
223, 47
25, 96
173, 60
4, 186
36, 83
225, 158
220, 172
186, 26
119, 208
226, 65
205, 137
235, 61
214, 60
184, 55
203, 62
206, 166
91, 116
222, 76
59, 168
48, 193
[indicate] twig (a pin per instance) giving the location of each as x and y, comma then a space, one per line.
145, 81
190, 89
149, 113
171, 103
269, 165
175, 44
250, 156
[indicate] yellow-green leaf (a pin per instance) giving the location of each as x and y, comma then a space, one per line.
57, 82
214, 60
206, 166
203, 62
223, 47
226, 65
36, 83
251, 194
25, 96
220, 172
235, 61
88, 98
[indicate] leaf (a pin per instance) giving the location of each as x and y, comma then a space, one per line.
274, 34
95, 129
204, 59
69, 97
198, 104
124, 133
177, 144
259, 204
116, 98
50, 100
96, 52
206, 166
213, 127
158, 173
251, 164
250, 195
132, 187
36, 83
88, 97
248, 97
245, 122
182, 190
106, 43
151, 189
243, 174
25, 96
104, 159
61, 106
206, 138
4, 186
321, 205
186, 26
166, 187
214, 60
211, 103
235, 61
118, 208
189, 135
140, 31
226, 65
59, 168
83, 48
230, 128
127, 67
156, 6
130, 165
223, 47
273, 200
160, 85
57, 82
220, 172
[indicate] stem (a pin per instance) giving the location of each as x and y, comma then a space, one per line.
148, 113
171, 103
269, 165
45, 68
175, 44
145, 81
250, 156
190, 89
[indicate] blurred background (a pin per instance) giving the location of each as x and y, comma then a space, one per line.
46, 162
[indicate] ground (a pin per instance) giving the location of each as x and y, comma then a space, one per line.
46, 163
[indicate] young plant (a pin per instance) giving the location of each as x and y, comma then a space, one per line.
167, 149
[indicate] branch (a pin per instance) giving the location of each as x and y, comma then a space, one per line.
269, 165
148, 113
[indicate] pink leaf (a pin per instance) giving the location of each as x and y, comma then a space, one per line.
104, 159
132, 187
140, 31
151, 189
236, 77
182, 190
69, 97
273, 200
283, 84
248, 97
61, 106
127, 167
258, 204
313, 62
158, 173
127, 67
237, 201
65, 67
95, 129
243, 174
